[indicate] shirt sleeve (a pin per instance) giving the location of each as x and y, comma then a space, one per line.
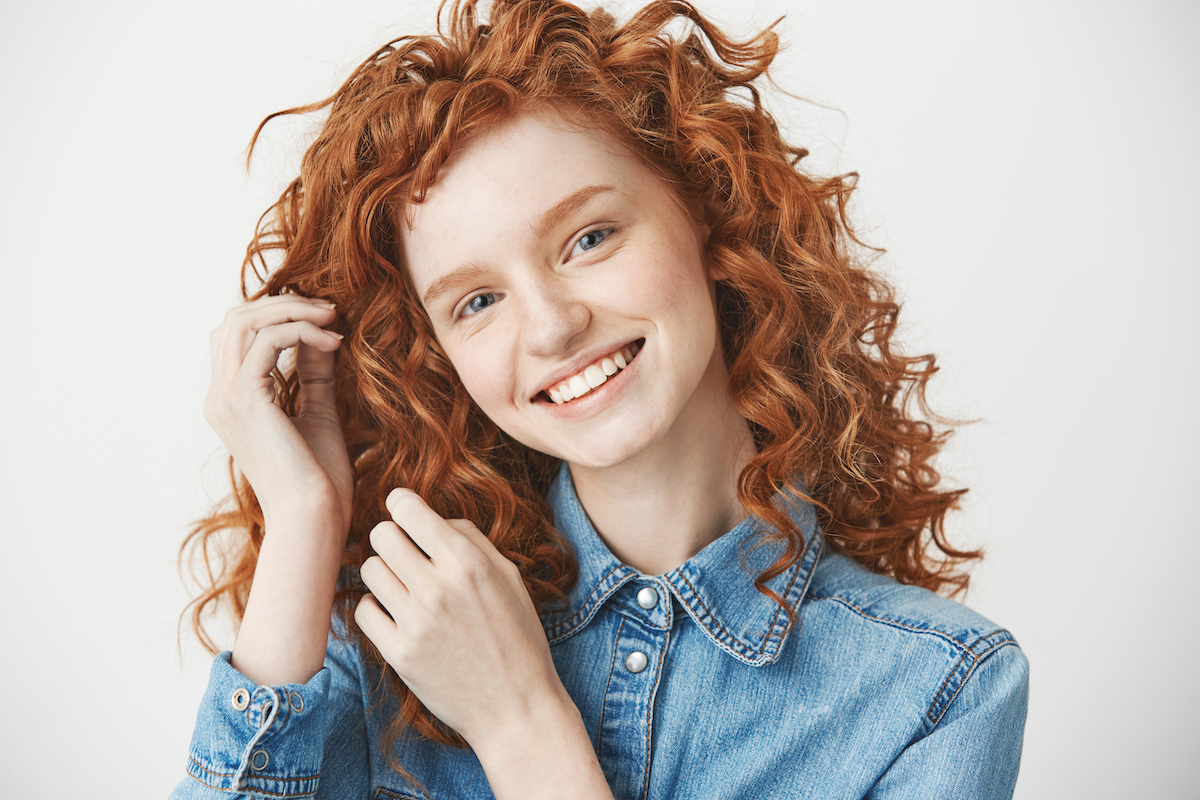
286, 741
975, 749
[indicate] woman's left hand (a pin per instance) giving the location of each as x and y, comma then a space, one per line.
463, 633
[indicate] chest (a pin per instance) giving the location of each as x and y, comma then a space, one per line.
671, 714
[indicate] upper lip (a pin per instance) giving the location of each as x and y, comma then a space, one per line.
577, 364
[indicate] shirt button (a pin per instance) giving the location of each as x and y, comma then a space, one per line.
240, 699
647, 598
260, 760
636, 661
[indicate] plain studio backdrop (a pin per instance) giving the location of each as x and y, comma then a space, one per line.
1032, 170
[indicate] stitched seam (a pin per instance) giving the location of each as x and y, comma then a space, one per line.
214, 773
788, 590
604, 697
735, 643
771, 632
256, 791
954, 669
649, 713
978, 660
930, 631
586, 611
967, 652
383, 791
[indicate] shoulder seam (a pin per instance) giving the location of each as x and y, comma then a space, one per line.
971, 655
963, 669
895, 624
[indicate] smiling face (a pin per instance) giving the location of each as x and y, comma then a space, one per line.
567, 285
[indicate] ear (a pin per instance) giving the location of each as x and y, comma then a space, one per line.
713, 270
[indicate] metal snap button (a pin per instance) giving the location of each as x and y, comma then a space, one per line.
240, 699
636, 661
259, 760
296, 701
647, 598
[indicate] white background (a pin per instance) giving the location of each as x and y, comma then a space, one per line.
1032, 168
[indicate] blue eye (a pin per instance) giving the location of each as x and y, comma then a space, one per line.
589, 240
479, 303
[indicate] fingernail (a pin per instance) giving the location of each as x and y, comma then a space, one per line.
322, 303
335, 333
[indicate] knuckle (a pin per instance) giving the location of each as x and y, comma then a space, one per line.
401, 498
379, 533
370, 569
470, 569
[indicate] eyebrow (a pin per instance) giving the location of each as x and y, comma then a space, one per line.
569, 205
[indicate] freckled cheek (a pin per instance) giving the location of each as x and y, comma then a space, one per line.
675, 285
488, 384
663, 282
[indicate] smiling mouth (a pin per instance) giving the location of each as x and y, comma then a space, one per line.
592, 376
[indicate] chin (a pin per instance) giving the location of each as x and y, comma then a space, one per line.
601, 453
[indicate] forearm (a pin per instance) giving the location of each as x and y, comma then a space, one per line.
283, 633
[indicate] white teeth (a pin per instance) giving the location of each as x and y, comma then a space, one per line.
592, 376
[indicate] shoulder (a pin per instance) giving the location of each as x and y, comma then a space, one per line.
880, 600
939, 646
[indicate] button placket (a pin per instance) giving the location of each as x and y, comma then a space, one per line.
626, 721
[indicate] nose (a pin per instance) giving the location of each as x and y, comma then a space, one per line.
552, 316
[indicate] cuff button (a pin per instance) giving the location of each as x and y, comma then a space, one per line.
259, 760
296, 701
240, 699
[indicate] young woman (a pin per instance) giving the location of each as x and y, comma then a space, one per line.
597, 471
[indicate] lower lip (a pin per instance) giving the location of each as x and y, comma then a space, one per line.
602, 395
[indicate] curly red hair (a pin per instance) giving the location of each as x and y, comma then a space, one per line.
837, 411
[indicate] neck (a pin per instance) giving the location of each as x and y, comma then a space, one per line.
661, 507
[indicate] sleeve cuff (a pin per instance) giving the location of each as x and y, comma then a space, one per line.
259, 740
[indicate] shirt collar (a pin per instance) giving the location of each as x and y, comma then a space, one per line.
715, 587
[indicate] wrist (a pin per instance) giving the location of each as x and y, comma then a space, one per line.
309, 515
543, 751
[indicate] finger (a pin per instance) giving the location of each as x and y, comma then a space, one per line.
269, 342
267, 311
471, 532
315, 369
375, 623
389, 590
238, 331
400, 554
426, 528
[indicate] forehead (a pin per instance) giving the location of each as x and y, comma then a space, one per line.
499, 184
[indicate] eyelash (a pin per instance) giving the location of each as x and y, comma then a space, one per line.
606, 231
467, 305
465, 312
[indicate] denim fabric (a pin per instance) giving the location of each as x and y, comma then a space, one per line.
880, 690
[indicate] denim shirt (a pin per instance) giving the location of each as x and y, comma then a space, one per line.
690, 684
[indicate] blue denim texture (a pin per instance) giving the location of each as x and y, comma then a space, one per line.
880, 690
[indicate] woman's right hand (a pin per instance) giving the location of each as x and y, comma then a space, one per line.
293, 463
